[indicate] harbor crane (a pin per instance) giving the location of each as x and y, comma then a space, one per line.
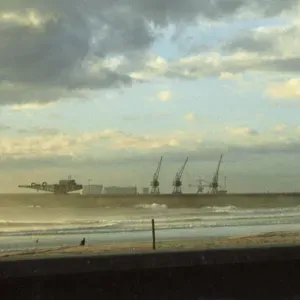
201, 184
177, 183
155, 182
214, 185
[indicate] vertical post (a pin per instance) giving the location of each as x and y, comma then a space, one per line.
89, 185
153, 235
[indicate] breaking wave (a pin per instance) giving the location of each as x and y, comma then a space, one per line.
151, 206
25, 220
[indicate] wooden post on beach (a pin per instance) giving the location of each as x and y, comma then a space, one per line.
153, 235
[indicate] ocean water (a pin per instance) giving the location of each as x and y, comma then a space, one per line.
22, 224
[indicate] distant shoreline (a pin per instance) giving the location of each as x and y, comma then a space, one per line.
267, 200
287, 193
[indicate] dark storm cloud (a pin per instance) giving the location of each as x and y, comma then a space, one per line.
47, 63
271, 8
270, 43
262, 41
155, 9
42, 55
283, 65
247, 42
163, 12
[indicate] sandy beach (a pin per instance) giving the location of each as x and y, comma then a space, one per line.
271, 238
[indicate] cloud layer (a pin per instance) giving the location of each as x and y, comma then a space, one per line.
41, 145
58, 51
54, 50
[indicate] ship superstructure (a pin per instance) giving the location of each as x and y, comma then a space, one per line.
64, 186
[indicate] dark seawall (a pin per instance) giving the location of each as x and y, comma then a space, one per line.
188, 200
223, 274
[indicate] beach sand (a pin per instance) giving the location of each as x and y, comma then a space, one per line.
271, 238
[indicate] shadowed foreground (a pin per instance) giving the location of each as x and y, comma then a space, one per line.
237, 273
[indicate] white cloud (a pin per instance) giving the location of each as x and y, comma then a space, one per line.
81, 144
286, 90
230, 76
153, 67
41, 145
260, 116
190, 117
31, 18
112, 141
144, 143
242, 131
164, 96
110, 51
266, 53
280, 127
114, 146
30, 106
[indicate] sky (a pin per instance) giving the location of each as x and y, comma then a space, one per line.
102, 89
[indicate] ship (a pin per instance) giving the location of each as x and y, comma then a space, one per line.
64, 186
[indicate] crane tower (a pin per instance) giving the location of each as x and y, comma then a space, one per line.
177, 183
155, 182
214, 186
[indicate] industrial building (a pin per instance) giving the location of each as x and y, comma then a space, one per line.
92, 189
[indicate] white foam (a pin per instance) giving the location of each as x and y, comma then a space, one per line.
139, 218
151, 206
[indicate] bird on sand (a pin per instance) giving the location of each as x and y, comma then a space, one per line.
82, 243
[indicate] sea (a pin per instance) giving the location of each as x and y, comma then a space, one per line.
23, 223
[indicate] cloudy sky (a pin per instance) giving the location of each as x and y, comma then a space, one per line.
100, 89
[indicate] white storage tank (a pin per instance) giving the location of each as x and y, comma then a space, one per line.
92, 189
120, 190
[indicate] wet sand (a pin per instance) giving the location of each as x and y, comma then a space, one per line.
266, 239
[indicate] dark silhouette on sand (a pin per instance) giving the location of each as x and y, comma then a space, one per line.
82, 243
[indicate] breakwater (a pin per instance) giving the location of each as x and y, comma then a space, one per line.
250, 200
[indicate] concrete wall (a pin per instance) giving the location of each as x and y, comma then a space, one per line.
175, 201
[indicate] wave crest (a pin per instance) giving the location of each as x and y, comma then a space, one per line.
151, 206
